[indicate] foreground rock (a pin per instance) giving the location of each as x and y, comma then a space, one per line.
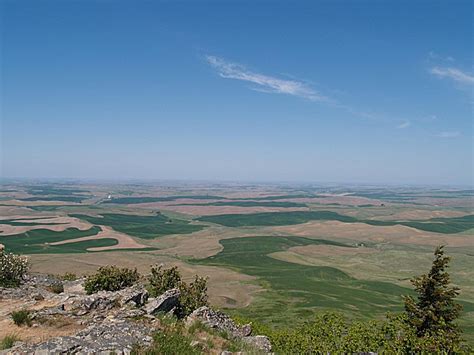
220, 321
164, 303
259, 341
117, 337
101, 323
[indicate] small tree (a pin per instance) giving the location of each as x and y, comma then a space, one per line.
435, 309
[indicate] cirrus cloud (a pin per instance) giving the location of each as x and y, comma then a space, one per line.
264, 83
453, 74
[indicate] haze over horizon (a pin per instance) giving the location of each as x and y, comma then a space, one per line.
363, 92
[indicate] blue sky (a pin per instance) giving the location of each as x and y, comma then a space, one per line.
321, 91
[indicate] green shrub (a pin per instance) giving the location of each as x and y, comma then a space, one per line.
8, 341
13, 269
192, 296
110, 278
162, 280
56, 287
21, 317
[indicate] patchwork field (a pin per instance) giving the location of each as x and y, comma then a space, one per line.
265, 248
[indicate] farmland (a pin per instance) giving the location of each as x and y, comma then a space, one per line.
299, 248
146, 227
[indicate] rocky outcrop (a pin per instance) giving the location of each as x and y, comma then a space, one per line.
164, 303
108, 322
135, 295
222, 322
118, 337
259, 341
218, 320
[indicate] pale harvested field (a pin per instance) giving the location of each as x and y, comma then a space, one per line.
215, 210
448, 202
7, 212
124, 240
69, 222
420, 214
343, 200
39, 203
227, 288
379, 234
329, 250
199, 245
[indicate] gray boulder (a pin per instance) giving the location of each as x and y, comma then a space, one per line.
220, 321
135, 295
259, 341
164, 303
103, 338
100, 301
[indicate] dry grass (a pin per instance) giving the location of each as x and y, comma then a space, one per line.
378, 234
227, 288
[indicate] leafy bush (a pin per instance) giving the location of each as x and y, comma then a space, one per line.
110, 278
13, 269
162, 280
192, 296
21, 317
8, 341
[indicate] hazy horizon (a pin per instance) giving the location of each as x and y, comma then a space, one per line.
309, 92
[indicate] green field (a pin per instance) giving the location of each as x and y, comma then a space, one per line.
438, 225
147, 199
300, 287
51, 190
273, 218
37, 240
295, 291
136, 200
248, 204
13, 222
146, 227
49, 208
56, 198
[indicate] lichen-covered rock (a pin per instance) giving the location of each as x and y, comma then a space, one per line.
260, 342
135, 295
99, 301
108, 337
164, 303
218, 320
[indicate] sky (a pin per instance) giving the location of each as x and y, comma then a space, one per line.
306, 91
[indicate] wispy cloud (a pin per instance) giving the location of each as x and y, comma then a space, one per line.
436, 56
448, 134
264, 83
453, 74
404, 124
